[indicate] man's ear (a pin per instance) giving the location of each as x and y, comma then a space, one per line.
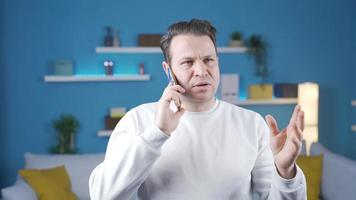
165, 67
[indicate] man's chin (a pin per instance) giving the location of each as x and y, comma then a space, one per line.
202, 98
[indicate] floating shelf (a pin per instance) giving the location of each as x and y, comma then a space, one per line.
82, 78
104, 133
353, 102
353, 128
232, 49
158, 50
128, 50
277, 101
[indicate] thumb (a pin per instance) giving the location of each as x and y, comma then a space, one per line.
272, 124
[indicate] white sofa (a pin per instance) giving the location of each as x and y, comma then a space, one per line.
338, 178
78, 167
339, 175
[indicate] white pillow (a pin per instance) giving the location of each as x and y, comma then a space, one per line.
20, 190
339, 174
78, 166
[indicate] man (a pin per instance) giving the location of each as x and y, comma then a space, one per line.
206, 149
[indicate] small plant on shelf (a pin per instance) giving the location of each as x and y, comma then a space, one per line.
257, 49
236, 39
66, 127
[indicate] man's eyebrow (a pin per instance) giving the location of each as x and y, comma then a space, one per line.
209, 56
192, 58
186, 58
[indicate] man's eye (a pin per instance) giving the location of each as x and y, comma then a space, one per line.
188, 62
208, 60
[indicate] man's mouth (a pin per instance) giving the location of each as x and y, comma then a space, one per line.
201, 84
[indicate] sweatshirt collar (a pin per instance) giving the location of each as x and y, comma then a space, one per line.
212, 109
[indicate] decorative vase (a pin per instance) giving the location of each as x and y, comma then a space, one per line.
109, 67
109, 39
116, 39
141, 70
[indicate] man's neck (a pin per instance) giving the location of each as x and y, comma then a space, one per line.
194, 106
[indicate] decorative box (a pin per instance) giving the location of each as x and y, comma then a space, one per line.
149, 40
63, 67
230, 87
111, 122
117, 112
260, 91
286, 90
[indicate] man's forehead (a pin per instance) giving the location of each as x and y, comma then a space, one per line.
191, 46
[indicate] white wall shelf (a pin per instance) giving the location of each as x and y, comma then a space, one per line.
158, 50
82, 78
104, 133
353, 103
232, 49
277, 101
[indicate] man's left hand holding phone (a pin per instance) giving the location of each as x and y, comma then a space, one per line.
170, 108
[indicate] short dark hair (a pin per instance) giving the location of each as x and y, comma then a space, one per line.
195, 26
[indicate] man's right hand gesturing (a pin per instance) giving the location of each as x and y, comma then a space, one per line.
166, 119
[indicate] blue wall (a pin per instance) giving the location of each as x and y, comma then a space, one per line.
354, 71
2, 97
309, 40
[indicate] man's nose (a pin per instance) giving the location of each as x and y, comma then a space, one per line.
200, 68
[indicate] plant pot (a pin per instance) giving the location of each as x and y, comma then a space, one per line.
66, 144
236, 43
71, 143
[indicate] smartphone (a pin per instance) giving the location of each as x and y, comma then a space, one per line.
171, 78
173, 81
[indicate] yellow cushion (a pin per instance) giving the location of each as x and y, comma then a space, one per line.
312, 169
51, 184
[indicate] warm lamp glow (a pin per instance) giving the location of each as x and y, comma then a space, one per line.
310, 135
308, 99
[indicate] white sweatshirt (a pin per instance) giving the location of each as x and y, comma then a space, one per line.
218, 154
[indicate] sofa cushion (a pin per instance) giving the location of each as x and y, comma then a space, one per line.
49, 184
339, 174
20, 190
78, 166
312, 169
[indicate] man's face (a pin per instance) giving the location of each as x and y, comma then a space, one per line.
195, 65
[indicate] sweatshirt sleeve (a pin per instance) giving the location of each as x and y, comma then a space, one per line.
266, 182
128, 159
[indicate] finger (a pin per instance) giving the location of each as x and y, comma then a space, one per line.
176, 100
174, 88
298, 133
180, 111
272, 124
295, 132
293, 119
297, 142
299, 119
177, 88
169, 94
302, 121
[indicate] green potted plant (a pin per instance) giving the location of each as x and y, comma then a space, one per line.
257, 49
236, 39
66, 127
